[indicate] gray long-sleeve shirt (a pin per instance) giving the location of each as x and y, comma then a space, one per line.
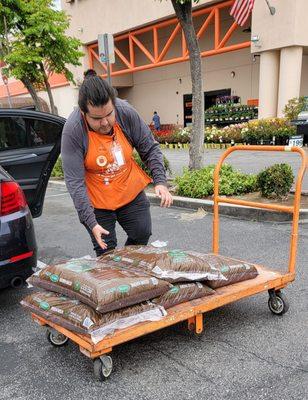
74, 148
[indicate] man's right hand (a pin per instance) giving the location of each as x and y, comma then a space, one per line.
98, 231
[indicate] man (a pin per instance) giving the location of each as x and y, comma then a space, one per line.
104, 181
156, 121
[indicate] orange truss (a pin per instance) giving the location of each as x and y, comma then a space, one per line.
128, 44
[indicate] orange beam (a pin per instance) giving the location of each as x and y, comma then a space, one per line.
205, 24
90, 58
156, 59
131, 51
155, 43
98, 59
181, 59
143, 49
228, 35
217, 28
122, 57
184, 46
169, 42
174, 20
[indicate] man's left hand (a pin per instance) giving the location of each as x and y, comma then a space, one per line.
163, 193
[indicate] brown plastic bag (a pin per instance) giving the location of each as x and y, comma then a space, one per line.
170, 265
80, 318
103, 287
183, 292
232, 270
70, 314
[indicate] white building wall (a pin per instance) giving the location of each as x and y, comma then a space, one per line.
65, 98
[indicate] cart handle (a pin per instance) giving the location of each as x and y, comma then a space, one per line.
294, 209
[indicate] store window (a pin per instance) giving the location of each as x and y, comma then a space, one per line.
210, 99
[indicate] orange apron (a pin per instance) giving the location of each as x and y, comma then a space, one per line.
112, 177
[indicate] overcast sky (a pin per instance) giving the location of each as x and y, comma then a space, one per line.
57, 4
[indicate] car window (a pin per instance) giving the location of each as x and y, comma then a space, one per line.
42, 133
13, 134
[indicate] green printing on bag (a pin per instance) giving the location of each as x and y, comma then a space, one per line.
117, 258
44, 305
177, 255
123, 288
76, 286
225, 268
54, 278
174, 290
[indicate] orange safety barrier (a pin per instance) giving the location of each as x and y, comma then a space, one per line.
132, 42
291, 209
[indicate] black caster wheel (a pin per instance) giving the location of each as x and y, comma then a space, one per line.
278, 303
102, 367
57, 339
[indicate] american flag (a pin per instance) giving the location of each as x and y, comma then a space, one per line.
241, 10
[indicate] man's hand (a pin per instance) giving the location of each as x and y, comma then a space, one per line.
163, 193
98, 231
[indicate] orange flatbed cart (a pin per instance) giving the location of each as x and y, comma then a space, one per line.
192, 311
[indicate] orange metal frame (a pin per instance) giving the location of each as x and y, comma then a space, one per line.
275, 207
158, 58
193, 311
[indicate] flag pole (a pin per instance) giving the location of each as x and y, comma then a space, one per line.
272, 9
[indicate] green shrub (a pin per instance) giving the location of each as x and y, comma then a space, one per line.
200, 184
141, 164
275, 181
57, 171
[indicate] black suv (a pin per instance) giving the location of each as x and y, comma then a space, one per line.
29, 148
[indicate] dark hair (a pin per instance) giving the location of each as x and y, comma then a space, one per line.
89, 72
94, 90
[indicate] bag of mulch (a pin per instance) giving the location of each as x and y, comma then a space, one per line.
127, 317
70, 314
103, 287
183, 292
80, 318
170, 265
232, 270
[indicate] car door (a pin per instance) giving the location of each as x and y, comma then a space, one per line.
29, 148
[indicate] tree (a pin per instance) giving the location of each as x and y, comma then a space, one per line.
183, 11
39, 46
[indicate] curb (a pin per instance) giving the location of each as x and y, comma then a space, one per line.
241, 212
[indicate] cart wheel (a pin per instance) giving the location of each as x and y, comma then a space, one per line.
102, 367
277, 303
56, 339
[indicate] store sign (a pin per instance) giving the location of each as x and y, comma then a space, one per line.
106, 47
296, 141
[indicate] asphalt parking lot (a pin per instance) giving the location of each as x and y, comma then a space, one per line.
244, 352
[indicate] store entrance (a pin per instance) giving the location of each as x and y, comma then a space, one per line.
210, 99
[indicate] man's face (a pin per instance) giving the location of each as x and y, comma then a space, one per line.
102, 118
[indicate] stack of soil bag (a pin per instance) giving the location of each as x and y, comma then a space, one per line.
127, 286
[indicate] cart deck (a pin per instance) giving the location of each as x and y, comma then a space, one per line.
192, 311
